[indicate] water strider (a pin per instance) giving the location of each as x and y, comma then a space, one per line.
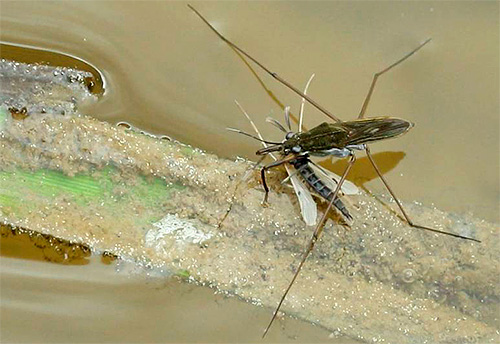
339, 139
319, 179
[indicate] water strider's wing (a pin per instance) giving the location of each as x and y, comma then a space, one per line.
374, 129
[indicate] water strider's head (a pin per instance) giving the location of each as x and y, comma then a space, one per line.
290, 145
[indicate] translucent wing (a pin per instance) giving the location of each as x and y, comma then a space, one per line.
374, 129
331, 180
307, 205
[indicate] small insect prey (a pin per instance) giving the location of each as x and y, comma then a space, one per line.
339, 139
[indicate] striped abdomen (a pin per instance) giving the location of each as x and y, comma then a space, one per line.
301, 164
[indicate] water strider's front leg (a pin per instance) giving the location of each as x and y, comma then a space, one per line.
268, 166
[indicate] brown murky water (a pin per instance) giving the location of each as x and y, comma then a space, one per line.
165, 72
82, 299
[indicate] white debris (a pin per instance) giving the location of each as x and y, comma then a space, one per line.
173, 230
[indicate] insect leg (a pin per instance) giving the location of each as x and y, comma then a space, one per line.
407, 218
268, 166
376, 75
290, 176
312, 241
233, 197
273, 74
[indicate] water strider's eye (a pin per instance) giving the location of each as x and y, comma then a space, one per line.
296, 149
289, 135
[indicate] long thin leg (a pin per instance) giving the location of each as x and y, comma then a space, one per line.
312, 242
271, 165
410, 222
376, 75
273, 74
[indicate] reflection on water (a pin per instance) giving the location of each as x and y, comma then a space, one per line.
30, 55
362, 171
27, 244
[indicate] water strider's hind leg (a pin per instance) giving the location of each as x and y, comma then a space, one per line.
379, 173
407, 218
376, 75
312, 241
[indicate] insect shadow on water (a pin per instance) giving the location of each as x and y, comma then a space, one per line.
339, 139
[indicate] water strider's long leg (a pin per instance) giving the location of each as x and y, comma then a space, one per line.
410, 222
376, 75
312, 241
273, 74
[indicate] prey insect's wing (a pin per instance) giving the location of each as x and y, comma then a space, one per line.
287, 118
276, 123
331, 180
307, 205
303, 103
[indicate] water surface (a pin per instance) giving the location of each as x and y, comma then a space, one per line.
167, 73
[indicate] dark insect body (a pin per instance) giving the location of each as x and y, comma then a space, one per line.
301, 164
339, 140
320, 180
336, 138
333, 139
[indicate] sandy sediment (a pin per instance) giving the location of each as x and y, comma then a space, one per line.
159, 203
